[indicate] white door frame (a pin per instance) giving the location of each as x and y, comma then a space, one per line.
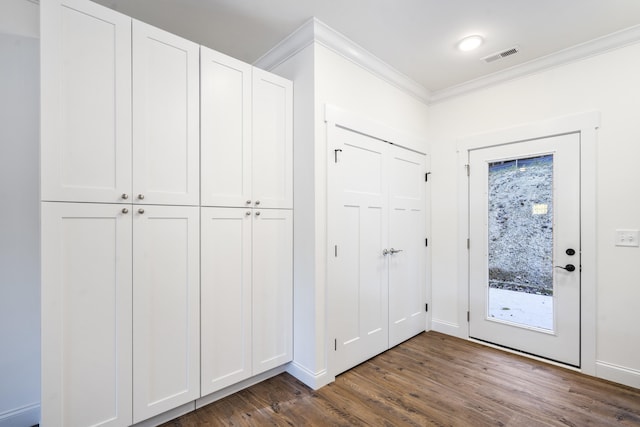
586, 124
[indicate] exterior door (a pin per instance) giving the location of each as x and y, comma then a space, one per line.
358, 268
86, 314
407, 245
166, 308
524, 228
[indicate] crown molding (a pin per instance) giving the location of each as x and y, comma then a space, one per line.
588, 49
316, 31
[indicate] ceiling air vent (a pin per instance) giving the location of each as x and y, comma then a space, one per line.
502, 54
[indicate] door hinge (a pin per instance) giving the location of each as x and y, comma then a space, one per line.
335, 154
335, 344
426, 176
335, 250
468, 243
468, 168
426, 242
426, 307
468, 316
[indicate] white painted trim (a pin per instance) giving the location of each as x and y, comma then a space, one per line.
168, 415
618, 374
373, 129
584, 50
586, 124
316, 31
315, 380
24, 416
448, 328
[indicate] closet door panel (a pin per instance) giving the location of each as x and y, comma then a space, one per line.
226, 130
272, 288
86, 315
166, 134
272, 140
166, 314
226, 297
86, 102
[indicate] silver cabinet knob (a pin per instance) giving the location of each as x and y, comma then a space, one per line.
385, 252
124, 196
140, 211
125, 210
248, 202
258, 213
141, 196
257, 202
247, 213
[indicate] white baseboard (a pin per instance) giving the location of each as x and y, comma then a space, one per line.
167, 416
315, 380
448, 328
24, 416
618, 374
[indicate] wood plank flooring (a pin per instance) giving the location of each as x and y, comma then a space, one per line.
432, 380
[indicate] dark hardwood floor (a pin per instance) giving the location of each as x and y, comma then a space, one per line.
432, 380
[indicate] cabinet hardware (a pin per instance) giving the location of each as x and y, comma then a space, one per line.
335, 154
248, 202
258, 213
247, 213
426, 176
124, 196
257, 202
140, 211
394, 251
141, 196
125, 210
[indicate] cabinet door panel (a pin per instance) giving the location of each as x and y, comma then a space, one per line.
86, 102
86, 315
225, 297
166, 309
226, 130
272, 288
272, 140
166, 117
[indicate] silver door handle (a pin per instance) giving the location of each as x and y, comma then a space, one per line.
385, 252
394, 251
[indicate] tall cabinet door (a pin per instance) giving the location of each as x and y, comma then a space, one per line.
86, 102
407, 260
225, 130
166, 133
86, 314
166, 315
272, 183
272, 288
225, 297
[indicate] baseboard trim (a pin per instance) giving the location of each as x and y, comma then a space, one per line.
447, 328
28, 415
619, 374
314, 380
167, 416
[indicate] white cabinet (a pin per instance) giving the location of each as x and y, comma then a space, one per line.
86, 315
247, 293
226, 130
86, 102
166, 133
247, 135
272, 281
94, 69
166, 309
225, 297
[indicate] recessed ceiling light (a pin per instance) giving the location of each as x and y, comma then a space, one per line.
470, 42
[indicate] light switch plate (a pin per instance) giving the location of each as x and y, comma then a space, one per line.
627, 238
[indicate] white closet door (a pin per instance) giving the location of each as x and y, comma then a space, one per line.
225, 130
407, 223
225, 297
86, 315
272, 288
166, 117
272, 184
358, 225
86, 102
166, 302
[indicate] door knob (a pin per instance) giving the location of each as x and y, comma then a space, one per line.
385, 252
394, 251
568, 267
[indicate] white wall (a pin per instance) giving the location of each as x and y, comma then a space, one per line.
19, 228
323, 77
607, 83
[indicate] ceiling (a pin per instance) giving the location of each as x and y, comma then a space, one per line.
417, 37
